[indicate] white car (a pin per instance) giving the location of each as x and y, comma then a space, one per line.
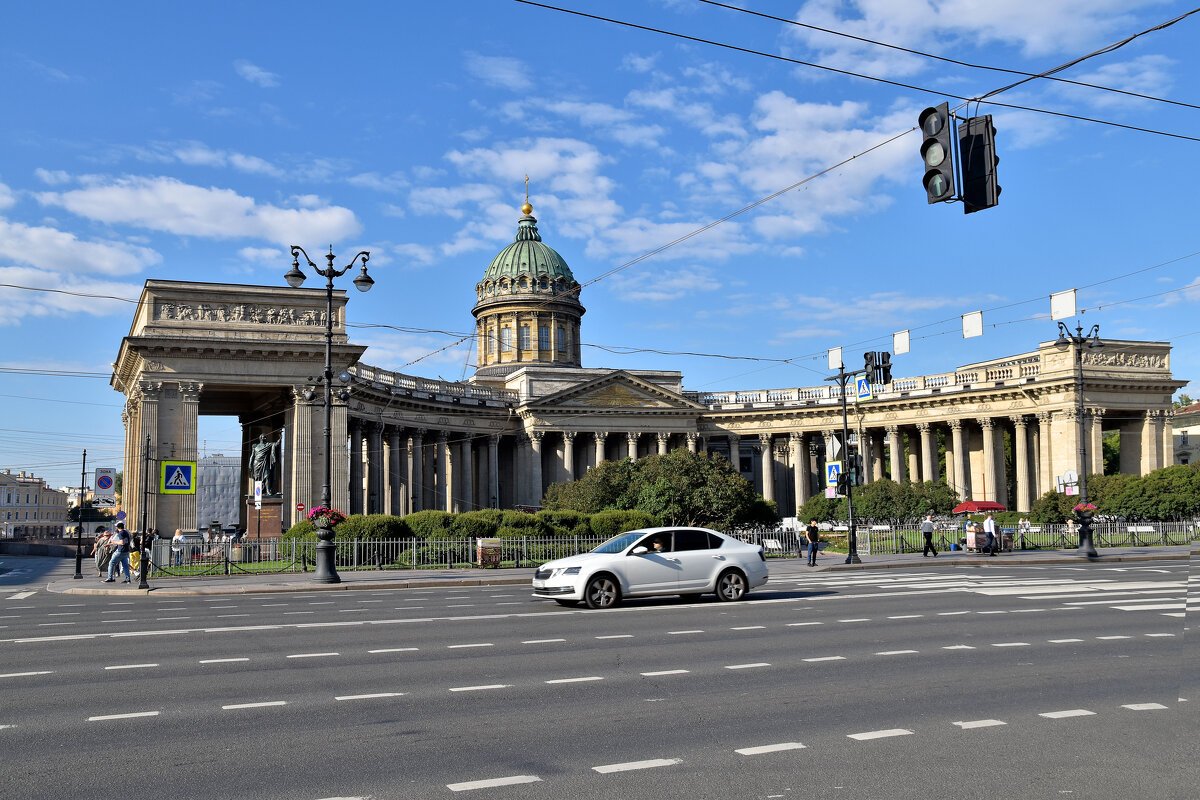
652, 561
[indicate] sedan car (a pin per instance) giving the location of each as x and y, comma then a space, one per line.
654, 561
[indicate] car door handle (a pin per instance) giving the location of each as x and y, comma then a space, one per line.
719, 558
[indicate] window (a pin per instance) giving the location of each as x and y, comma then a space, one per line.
524, 337
506, 340
491, 342
562, 340
1183, 438
544, 337
692, 540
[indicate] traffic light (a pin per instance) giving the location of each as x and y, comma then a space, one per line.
843, 482
883, 368
977, 149
937, 151
856, 470
869, 366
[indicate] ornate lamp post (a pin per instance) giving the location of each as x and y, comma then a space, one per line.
325, 571
79, 527
1079, 341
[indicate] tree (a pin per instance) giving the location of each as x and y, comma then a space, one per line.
1181, 401
1052, 507
1112, 452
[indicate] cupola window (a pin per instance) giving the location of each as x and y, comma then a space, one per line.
506, 340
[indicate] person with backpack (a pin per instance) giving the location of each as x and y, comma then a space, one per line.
120, 557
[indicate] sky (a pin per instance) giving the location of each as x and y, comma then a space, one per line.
150, 140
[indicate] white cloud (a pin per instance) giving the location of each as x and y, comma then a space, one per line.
7, 199
500, 71
52, 250
414, 254
637, 63
21, 303
664, 285
199, 154
263, 256
1149, 74
169, 205
55, 177
255, 74
393, 182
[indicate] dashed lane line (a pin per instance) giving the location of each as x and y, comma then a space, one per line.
132, 666
1074, 712
617, 636
26, 674
374, 696
542, 641
132, 715
221, 660
265, 704
681, 633
884, 734
633, 765
802, 624
825, 658
958, 647
1063, 641
1010, 644
894, 652
748, 666
313, 655
394, 650
769, 748
1145, 707
22, 596
476, 644
1112, 638
749, 628
651, 674
512, 780
481, 688
980, 723
577, 680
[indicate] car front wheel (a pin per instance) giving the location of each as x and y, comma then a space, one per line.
731, 585
602, 591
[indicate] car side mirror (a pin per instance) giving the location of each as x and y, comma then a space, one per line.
639, 550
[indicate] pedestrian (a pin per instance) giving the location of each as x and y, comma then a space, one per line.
120, 557
989, 528
100, 550
1071, 534
177, 542
927, 532
813, 534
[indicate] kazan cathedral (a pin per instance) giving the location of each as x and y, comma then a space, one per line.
533, 414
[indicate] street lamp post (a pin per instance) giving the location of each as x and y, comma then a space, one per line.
325, 571
79, 527
1091, 341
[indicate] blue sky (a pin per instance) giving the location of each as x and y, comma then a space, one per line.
161, 140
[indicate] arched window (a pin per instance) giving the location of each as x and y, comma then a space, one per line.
562, 340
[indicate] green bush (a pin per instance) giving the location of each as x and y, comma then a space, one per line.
302, 531
519, 519
374, 527
563, 522
475, 524
428, 524
607, 524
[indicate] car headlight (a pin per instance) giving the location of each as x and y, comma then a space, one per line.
571, 571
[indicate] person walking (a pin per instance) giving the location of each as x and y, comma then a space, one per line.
120, 557
813, 534
177, 542
927, 532
989, 528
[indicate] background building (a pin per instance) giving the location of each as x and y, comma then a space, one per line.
29, 508
218, 497
1185, 424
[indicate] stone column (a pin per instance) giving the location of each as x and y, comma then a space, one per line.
960, 458
1150, 440
735, 452
189, 412
416, 469
1095, 441
663, 440
1021, 456
356, 466
914, 457
632, 438
466, 476
800, 480
691, 441
876, 455
1167, 439
989, 458
305, 455
1045, 461
396, 490
569, 454
375, 468
767, 463
535, 468
493, 466
601, 438
149, 393
895, 453
929, 463
445, 473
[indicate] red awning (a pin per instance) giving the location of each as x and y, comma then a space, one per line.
975, 506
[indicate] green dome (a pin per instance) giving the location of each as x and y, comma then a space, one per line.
528, 256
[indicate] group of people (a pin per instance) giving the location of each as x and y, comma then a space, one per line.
113, 550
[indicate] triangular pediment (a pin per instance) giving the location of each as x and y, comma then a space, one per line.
617, 390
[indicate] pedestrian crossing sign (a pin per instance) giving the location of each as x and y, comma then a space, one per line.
832, 470
863, 385
177, 477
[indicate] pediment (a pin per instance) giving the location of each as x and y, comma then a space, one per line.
618, 390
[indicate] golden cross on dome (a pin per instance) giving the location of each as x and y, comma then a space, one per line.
527, 187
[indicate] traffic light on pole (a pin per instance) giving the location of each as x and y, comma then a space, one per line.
937, 151
843, 482
977, 149
869, 365
883, 369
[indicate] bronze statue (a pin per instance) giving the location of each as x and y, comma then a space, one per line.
264, 459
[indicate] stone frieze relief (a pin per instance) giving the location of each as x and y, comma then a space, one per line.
239, 312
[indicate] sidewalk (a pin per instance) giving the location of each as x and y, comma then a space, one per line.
427, 578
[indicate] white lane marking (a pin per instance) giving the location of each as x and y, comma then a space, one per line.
749, 628
747, 666
907, 616
273, 605
22, 596
6, 727
769, 748
542, 641
369, 696
370, 601
1063, 641
617, 636
894, 652
169, 619
1112, 638
460, 646
1074, 712
979, 723
131, 666
951, 613
576, 680
481, 688
958, 647
293, 613
678, 633
53, 624
395, 650
323, 603
221, 660
63, 614
632, 765
801, 624
991, 612
653, 674
313, 655
512, 780
1160, 634
122, 611
1157, 607
25, 674
1010, 644
1145, 706
123, 716
856, 619
884, 734
226, 616
826, 658
461, 605
1025, 610
255, 705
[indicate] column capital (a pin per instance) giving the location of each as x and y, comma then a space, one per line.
956, 424
1019, 420
765, 438
494, 439
987, 423
600, 435
190, 391
535, 437
663, 438
443, 437
149, 390
569, 436
923, 427
796, 438
692, 437
1043, 417
418, 433
892, 429
1095, 413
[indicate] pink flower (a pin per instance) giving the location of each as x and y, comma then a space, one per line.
330, 516
1084, 507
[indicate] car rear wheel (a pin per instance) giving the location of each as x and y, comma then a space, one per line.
731, 585
602, 591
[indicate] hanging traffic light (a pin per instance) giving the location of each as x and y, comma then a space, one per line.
937, 151
883, 370
977, 149
843, 482
869, 365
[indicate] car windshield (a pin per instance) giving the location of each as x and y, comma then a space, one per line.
619, 543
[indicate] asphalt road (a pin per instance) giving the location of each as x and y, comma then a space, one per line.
942, 681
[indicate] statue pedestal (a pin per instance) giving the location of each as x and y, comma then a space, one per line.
271, 514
